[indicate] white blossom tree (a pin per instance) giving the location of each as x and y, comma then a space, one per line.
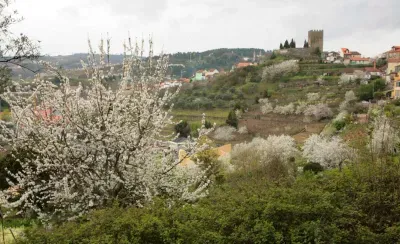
384, 138
266, 106
285, 109
93, 145
318, 111
328, 152
275, 153
313, 97
224, 133
286, 67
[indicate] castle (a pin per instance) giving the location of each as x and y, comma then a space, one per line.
316, 39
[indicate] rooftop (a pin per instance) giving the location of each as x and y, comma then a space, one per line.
359, 59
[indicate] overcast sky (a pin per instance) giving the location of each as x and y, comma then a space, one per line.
62, 26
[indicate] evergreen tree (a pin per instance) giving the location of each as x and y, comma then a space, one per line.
281, 46
273, 55
292, 44
286, 45
232, 119
305, 44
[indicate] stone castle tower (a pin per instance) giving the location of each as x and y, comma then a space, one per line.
316, 39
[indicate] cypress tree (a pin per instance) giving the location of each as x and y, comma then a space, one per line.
281, 46
292, 44
305, 44
286, 45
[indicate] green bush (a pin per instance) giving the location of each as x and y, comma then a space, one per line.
183, 129
357, 205
339, 124
313, 167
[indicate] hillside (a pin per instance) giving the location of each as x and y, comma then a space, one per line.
222, 58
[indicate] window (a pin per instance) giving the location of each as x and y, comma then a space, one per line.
397, 84
397, 69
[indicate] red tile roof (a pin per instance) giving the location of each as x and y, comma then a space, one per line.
355, 53
243, 64
359, 59
344, 50
396, 47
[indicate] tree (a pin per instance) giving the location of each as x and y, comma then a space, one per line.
273, 71
328, 152
292, 44
318, 111
281, 46
286, 45
97, 145
384, 137
305, 44
232, 119
14, 50
183, 129
273, 56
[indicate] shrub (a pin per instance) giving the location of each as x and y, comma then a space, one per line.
243, 130
313, 167
313, 97
183, 128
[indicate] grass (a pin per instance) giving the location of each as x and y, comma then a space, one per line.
8, 236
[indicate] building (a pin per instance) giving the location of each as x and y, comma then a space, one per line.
242, 65
393, 59
359, 60
332, 57
316, 39
212, 72
200, 75
396, 86
373, 71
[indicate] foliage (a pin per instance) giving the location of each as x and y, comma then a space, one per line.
313, 97
95, 144
328, 152
366, 92
232, 119
243, 130
313, 167
183, 129
354, 206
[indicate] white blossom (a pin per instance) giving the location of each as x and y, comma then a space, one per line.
328, 152
385, 138
266, 106
286, 67
224, 133
318, 111
313, 97
243, 130
286, 109
94, 145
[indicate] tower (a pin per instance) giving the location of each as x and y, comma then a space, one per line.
316, 39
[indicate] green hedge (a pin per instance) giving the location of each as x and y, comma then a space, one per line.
357, 205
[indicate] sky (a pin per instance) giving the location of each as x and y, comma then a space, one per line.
63, 27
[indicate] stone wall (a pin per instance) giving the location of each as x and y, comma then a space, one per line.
316, 39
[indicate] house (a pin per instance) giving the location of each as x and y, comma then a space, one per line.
393, 59
200, 75
212, 72
359, 60
396, 86
242, 65
373, 71
331, 57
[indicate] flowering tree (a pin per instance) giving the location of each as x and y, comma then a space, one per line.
266, 106
273, 153
349, 99
384, 138
328, 152
93, 145
286, 109
313, 97
286, 67
318, 111
224, 133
